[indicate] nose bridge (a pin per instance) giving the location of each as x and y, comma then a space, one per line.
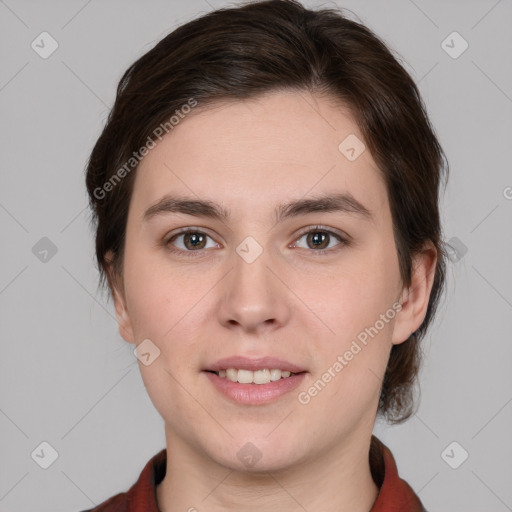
253, 295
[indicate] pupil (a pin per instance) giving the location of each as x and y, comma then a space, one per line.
318, 237
195, 239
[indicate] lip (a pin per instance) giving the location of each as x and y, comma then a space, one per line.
253, 364
254, 394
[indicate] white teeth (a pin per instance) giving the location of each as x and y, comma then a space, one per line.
245, 376
263, 376
232, 374
275, 375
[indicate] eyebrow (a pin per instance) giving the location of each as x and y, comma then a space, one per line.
340, 202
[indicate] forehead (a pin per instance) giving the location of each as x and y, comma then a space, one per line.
251, 154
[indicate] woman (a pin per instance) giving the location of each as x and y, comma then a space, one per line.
265, 194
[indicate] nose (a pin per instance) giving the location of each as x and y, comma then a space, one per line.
254, 296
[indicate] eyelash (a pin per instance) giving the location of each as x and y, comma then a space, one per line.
200, 252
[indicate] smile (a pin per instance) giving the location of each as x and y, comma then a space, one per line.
263, 376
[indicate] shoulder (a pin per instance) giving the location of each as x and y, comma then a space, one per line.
142, 494
117, 503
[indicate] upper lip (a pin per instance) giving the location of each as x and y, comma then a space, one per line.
253, 364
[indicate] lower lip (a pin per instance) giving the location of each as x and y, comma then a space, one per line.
255, 394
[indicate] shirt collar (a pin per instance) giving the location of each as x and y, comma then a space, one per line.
395, 494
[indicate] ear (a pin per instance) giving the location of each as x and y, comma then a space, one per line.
116, 286
415, 298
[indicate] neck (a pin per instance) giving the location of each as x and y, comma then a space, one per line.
339, 479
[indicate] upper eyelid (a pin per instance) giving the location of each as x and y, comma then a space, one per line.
319, 227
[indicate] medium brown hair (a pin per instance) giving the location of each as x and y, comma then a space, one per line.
244, 52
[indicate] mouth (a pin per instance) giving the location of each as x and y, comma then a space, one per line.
261, 376
254, 381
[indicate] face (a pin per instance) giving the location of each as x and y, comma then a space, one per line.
299, 286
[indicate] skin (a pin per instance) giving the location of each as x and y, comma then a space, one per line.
290, 303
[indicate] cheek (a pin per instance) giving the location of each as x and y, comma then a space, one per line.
356, 297
358, 308
155, 299
164, 307
350, 372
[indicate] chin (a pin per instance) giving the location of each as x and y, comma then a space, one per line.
259, 456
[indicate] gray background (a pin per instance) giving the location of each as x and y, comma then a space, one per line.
66, 375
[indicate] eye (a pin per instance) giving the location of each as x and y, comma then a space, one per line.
192, 240
320, 238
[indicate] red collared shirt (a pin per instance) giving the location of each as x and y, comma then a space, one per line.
395, 495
